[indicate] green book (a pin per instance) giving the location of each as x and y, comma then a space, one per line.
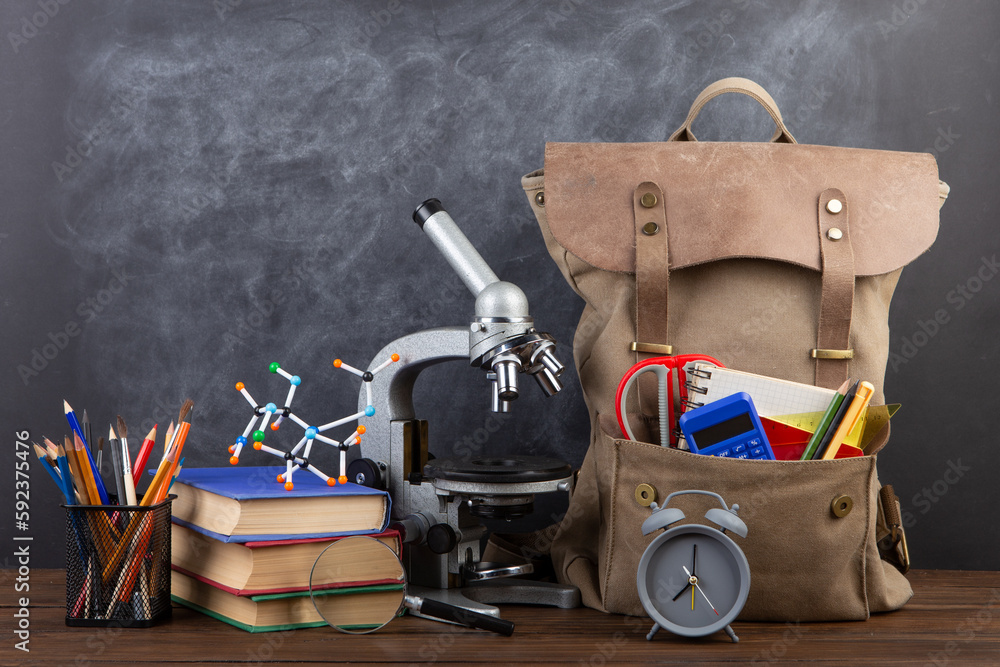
350, 608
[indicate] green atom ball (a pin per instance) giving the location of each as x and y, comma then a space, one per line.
274, 367
258, 436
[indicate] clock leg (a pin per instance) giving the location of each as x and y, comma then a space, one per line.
656, 627
732, 635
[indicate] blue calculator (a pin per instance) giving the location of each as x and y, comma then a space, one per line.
728, 427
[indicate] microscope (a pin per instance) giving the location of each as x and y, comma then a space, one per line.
437, 503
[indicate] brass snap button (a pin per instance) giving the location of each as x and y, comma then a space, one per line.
645, 495
835, 206
842, 506
648, 200
834, 234
650, 228
540, 197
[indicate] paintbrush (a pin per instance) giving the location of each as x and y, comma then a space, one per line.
127, 480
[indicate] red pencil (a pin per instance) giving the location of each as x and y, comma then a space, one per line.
143, 456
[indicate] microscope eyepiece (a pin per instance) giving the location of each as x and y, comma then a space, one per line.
426, 210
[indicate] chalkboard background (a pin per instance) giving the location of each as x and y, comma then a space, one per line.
194, 189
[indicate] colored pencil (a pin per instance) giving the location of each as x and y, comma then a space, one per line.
71, 418
102, 493
837, 418
143, 456
825, 421
851, 417
169, 440
181, 436
44, 458
87, 472
66, 477
74, 465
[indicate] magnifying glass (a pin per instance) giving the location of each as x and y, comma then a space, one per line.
355, 608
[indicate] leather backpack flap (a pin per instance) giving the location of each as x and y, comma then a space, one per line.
746, 223
732, 200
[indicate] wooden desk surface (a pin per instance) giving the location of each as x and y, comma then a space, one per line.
953, 618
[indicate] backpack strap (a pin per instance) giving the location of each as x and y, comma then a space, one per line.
652, 275
833, 351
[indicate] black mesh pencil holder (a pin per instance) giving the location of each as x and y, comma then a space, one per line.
117, 565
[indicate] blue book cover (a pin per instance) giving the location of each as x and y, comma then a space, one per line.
315, 509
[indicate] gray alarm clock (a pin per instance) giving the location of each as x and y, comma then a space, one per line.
693, 580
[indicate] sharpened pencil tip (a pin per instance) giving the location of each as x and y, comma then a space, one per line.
66, 408
111, 433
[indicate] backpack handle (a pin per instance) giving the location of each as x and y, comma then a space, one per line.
743, 86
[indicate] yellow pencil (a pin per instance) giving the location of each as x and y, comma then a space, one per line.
85, 470
74, 468
851, 417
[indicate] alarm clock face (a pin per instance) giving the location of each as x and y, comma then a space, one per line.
693, 580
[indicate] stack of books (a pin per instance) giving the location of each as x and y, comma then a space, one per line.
243, 549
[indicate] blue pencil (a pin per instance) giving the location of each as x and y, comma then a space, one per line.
75, 425
67, 477
43, 457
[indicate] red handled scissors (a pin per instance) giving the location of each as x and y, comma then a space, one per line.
663, 367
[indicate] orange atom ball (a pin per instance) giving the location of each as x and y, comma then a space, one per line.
234, 459
232, 448
281, 478
361, 430
274, 427
330, 481
342, 479
337, 363
258, 445
288, 486
239, 386
395, 357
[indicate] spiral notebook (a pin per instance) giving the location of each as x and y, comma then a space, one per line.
772, 397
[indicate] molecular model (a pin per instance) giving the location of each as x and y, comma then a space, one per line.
298, 457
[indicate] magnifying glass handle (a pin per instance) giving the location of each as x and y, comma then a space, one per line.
470, 619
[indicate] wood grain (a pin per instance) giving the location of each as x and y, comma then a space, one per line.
953, 619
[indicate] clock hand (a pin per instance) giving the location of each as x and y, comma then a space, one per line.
695, 582
694, 560
681, 591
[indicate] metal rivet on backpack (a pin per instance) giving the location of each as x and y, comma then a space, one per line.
650, 228
540, 197
834, 234
645, 495
835, 206
842, 506
648, 200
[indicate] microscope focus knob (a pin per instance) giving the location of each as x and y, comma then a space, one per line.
441, 538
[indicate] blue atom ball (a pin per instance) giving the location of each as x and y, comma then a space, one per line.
271, 407
296, 380
311, 432
241, 440
370, 411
